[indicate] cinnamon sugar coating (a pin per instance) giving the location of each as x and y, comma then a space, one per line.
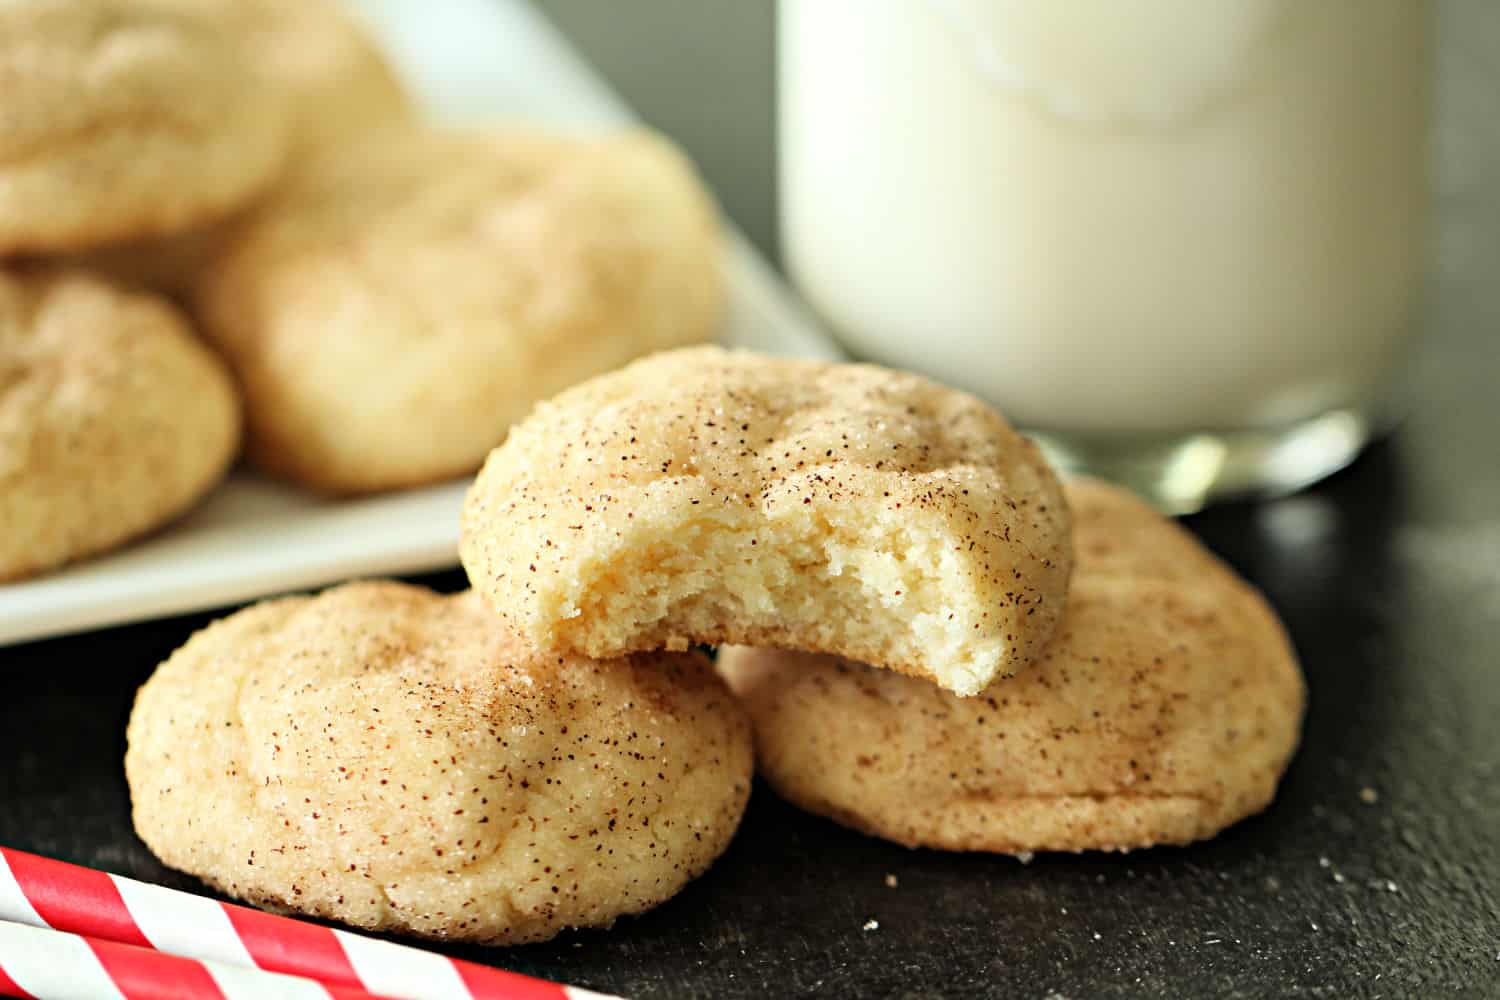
1165, 709
124, 119
337, 85
709, 496
398, 302
114, 418
390, 758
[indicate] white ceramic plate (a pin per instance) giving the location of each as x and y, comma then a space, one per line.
468, 60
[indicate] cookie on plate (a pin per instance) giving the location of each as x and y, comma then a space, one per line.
1165, 709
114, 418
337, 85
391, 758
124, 119
338, 82
708, 496
397, 304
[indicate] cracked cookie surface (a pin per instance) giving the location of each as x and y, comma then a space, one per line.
393, 307
114, 418
711, 496
337, 85
391, 758
1166, 708
125, 119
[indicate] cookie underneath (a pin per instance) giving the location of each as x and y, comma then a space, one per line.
708, 496
1165, 709
388, 757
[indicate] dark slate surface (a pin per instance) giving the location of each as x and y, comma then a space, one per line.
1376, 873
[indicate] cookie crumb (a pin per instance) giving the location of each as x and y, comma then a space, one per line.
871, 925
1369, 796
891, 881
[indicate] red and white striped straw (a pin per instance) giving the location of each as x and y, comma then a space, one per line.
51, 965
64, 897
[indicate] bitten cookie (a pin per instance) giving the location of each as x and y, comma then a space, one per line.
1166, 708
124, 119
396, 305
113, 417
707, 496
391, 758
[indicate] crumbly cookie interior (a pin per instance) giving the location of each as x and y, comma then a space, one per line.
834, 578
709, 496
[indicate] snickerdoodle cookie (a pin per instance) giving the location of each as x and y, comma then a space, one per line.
395, 305
123, 119
113, 417
337, 85
391, 758
707, 496
337, 81
1166, 708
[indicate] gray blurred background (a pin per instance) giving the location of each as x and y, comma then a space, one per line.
701, 71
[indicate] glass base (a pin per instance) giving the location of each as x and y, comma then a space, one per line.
1181, 473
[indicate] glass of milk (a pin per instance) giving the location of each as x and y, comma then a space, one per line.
1181, 242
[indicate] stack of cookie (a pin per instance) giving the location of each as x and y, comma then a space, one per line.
380, 298
932, 639
883, 555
